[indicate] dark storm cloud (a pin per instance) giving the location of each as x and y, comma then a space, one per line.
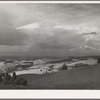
12, 37
53, 45
51, 29
56, 39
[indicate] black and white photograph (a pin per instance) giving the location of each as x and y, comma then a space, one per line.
50, 46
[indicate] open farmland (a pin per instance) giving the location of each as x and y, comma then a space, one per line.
80, 78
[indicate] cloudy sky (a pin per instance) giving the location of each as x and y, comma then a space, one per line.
49, 29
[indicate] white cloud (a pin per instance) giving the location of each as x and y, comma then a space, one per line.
29, 27
80, 28
36, 28
68, 27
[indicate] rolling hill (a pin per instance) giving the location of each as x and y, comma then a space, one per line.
81, 78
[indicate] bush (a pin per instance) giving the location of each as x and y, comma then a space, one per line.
24, 82
21, 81
7, 77
64, 67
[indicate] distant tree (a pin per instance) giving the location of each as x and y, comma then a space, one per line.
98, 60
46, 72
6, 76
6, 79
1, 79
41, 70
64, 67
3, 74
14, 76
9, 77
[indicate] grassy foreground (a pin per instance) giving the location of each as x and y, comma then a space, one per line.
80, 78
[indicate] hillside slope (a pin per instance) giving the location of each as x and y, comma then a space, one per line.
80, 78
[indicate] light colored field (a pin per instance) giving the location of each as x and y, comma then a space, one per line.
43, 68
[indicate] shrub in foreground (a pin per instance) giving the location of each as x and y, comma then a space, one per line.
20, 81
